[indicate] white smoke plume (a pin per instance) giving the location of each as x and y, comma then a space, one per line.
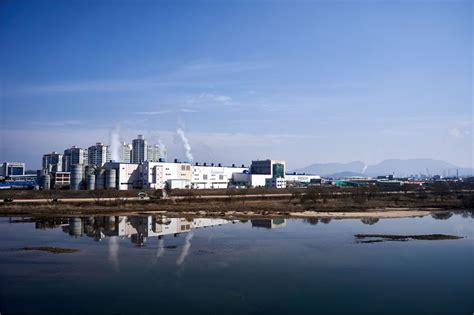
186, 248
113, 253
186, 145
115, 143
364, 169
162, 147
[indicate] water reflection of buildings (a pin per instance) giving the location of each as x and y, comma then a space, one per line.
137, 228
269, 223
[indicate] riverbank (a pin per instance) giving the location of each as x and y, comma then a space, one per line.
310, 204
251, 210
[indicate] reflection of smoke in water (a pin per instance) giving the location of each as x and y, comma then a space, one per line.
186, 145
186, 248
113, 252
161, 248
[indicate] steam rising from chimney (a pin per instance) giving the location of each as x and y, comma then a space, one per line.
162, 147
115, 143
186, 145
364, 169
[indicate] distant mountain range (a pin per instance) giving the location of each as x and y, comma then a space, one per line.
397, 167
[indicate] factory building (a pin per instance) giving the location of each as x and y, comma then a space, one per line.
214, 176
53, 162
155, 175
275, 182
139, 150
295, 179
98, 154
274, 168
12, 169
61, 179
127, 175
261, 174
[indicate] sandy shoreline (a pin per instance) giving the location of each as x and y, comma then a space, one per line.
386, 213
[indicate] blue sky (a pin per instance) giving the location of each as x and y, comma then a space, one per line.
304, 81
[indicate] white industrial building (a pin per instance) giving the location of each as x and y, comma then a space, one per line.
155, 175
275, 182
305, 179
128, 174
12, 169
211, 176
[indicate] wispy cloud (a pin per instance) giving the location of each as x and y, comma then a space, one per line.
159, 112
194, 74
188, 110
57, 123
458, 132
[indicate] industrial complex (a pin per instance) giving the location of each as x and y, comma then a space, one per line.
143, 166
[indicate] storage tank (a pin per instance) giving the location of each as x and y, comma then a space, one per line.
77, 172
88, 170
90, 182
46, 182
100, 179
111, 179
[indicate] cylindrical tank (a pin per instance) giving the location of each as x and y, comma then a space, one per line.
88, 170
100, 179
90, 182
111, 179
77, 173
46, 182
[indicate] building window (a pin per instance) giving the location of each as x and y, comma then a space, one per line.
204, 176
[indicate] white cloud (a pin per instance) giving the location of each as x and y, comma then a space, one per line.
458, 133
159, 112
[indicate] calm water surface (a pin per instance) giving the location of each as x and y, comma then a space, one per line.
159, 265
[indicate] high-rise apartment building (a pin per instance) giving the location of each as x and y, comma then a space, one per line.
98, 154
153, 153
139, 149
74, 155
125, 153
53, 162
